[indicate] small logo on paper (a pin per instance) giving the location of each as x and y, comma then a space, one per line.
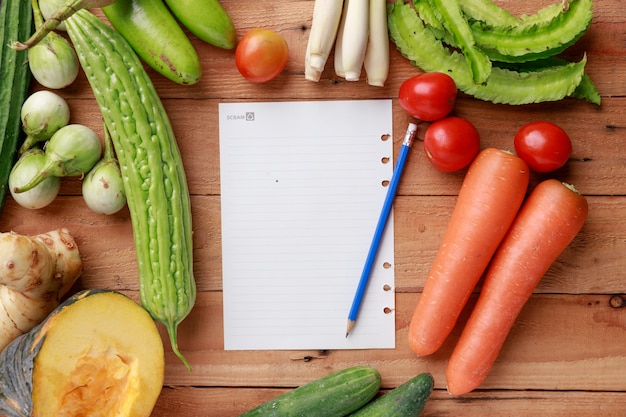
248, 116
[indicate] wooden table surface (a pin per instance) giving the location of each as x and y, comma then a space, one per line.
565, 356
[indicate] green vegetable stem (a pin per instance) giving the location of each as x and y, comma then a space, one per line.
64, 12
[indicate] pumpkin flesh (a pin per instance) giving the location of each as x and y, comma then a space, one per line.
101, 355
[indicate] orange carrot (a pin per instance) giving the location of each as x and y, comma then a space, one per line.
492, 192
546, 224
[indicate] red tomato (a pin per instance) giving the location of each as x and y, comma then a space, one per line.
261, 55
543, 145
451, 143
429, 96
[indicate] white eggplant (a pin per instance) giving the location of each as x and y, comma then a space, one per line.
25, 169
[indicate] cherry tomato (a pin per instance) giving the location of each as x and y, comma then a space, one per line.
429, 96
451, 143
543, 145
261, 55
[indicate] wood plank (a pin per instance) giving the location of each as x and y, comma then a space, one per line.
556, 341
594, 263
231, 402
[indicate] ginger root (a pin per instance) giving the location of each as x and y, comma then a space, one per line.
35, 273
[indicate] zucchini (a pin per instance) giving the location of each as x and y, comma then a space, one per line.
16, 22
151, 165
406, 400
336, 395
206, 19
146, 24
420, 46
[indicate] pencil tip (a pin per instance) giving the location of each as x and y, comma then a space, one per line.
351, 324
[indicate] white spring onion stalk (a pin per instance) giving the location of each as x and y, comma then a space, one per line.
377, 54
43, 113
53, 61
354, 38
338, 63
310, 73
324, 28
103, 187
72, 151
27, 166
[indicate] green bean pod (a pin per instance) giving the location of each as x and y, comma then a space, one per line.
420, 46
151, 165
157, 38
537, 37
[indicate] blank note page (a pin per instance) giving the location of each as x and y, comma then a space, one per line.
302, 187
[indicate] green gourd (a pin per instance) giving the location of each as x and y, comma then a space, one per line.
157, 38
337, 395
207, 19
151, 165
16, 22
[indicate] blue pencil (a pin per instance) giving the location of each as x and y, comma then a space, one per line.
380, 227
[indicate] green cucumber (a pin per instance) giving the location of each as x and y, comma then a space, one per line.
406, 400
420, 46
16, 22
206, 19
152, 169
334, 395
157, 38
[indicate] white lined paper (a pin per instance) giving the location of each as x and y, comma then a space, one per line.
301, 189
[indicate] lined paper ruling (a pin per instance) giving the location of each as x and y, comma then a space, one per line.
302, 186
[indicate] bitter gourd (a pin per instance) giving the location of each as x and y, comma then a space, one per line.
16, 22
420, 46
151, 165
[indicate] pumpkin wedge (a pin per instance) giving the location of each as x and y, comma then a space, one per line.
98, 354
